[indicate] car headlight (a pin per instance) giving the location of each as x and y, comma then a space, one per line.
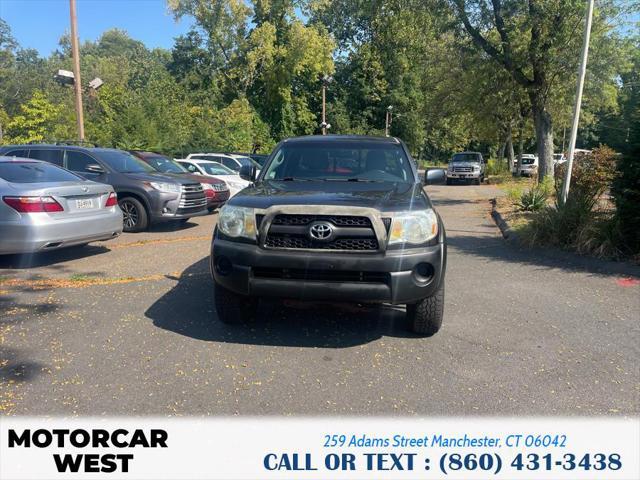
165, 187
237, 222
414, 227
206, 186
476, 168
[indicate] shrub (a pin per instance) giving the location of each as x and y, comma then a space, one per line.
626, 196
496, 167
580, 223
533, 199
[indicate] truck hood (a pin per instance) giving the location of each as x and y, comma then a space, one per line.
384, 196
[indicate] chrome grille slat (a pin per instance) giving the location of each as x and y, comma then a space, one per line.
192, 196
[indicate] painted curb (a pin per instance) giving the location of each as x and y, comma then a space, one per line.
505, 229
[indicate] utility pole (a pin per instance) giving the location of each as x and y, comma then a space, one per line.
324, 108
576, 111
387, 121
75, 50
326, 80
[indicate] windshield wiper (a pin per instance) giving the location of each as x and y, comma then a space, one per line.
297, 179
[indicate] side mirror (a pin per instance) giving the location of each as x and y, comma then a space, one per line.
95, 168
248, 173
434, 176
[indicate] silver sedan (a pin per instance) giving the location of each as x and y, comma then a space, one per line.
45, 207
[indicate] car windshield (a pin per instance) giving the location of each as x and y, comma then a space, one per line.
124, 162
32, 172
216, 169
367, 161
165, 165
528, 160
465, 157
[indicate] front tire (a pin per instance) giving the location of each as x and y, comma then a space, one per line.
135, 218
426, 315
449, 181
233, 308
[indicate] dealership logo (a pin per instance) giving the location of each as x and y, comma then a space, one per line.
321, 231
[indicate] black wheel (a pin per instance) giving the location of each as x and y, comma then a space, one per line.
477, 181
449, 181
426, 315
134, 215
232, 307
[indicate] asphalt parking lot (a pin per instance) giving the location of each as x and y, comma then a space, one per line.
128, 327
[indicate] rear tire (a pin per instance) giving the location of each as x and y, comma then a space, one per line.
233, 308
426, 315
135, 218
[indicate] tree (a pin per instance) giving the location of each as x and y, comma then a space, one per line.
39, 120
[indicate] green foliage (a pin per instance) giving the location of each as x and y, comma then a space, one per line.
626, 194
533, 199
497, 167
39, 120
583, 223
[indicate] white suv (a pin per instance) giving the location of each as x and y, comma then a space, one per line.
229, 160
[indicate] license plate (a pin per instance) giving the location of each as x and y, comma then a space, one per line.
83, 204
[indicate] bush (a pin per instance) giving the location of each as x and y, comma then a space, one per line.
626, 196
582, 223
496, 167
534, 199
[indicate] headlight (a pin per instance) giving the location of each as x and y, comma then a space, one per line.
166, 187
206, 186
237, 222
414, 227
476, 168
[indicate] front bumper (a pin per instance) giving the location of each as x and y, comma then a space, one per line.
463, 175
42, 232
243, 264
165, 206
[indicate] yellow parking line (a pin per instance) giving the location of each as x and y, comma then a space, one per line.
142, 243
53, 283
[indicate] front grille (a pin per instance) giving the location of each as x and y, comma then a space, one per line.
351, 233
192, 197
337, 220
321, 275
282, 241
219, 187
463, 169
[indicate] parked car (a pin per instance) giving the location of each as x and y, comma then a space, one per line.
529, 165
216, 170
145, 195
215, 190
259, 158
45, 207
466, 166
332, 218
229, 160
559, 158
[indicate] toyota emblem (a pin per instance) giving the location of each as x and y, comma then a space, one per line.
321, 231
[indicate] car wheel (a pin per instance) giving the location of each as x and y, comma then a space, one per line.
232, 307
477, 181
134, 215
449, 181
425, 316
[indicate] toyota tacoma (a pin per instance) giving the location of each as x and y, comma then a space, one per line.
337, 218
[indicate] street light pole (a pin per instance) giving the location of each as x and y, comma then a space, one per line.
387, 120
75, 50
324, 108
576, 110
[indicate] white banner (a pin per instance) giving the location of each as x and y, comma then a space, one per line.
319, 448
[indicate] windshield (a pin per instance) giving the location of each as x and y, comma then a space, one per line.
31, 172
341, 161
165, 165
528, 160
216, 169
124, 162
465, 157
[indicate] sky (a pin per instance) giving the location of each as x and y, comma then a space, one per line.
39, 24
